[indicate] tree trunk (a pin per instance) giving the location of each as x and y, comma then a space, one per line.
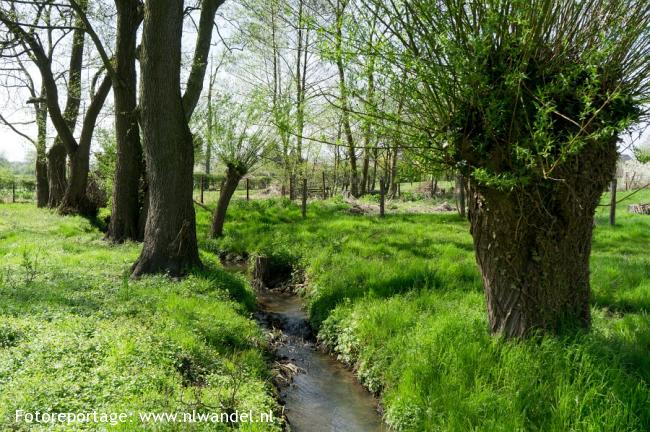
57, 155
129, 170
343, 90
301, 71
42, 186
304, 198
375, 156
382, 197
201, 53
56, 174
394, 185
75, 200
364, 171
533, 245
144, 211
227, 191
170, 244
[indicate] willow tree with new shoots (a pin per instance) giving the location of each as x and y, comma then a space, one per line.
527, 100
241, 139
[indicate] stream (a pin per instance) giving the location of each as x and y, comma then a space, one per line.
323, 396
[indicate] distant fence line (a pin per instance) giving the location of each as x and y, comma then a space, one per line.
17, 190
632, 175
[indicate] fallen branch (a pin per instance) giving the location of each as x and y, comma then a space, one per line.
203, 206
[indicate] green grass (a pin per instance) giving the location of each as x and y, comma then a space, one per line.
77, 335
401, 301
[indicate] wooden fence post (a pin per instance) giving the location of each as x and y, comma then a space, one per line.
460, 183
304, 197
13, 191
202, 187
324, 187
382, 197
248, 196
612, 208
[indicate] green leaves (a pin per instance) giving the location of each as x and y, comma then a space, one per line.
517, 88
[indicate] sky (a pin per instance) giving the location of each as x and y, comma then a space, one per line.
12, 146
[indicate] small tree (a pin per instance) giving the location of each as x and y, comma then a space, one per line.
241, 138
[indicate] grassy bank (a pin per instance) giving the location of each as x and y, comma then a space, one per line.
76, 335
401, 300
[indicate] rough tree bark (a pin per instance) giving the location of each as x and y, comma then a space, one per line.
129, 168
233, 177
170, 244
56, 174
533, 244
42, 186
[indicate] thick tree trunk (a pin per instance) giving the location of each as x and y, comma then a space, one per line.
227, 191
75, 200
129, 168
533, 245
56, 174
144, 211
170, 244
42, 187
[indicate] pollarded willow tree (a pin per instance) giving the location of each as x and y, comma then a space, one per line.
241, 139
526, 98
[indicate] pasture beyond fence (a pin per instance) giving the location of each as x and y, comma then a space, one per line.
16, 191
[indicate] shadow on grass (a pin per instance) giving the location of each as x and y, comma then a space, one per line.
234, 285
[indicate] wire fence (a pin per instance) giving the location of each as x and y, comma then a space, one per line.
17, 191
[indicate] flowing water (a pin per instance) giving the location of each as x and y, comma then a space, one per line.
324, 396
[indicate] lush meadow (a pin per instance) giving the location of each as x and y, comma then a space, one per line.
77, 335
400, 300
